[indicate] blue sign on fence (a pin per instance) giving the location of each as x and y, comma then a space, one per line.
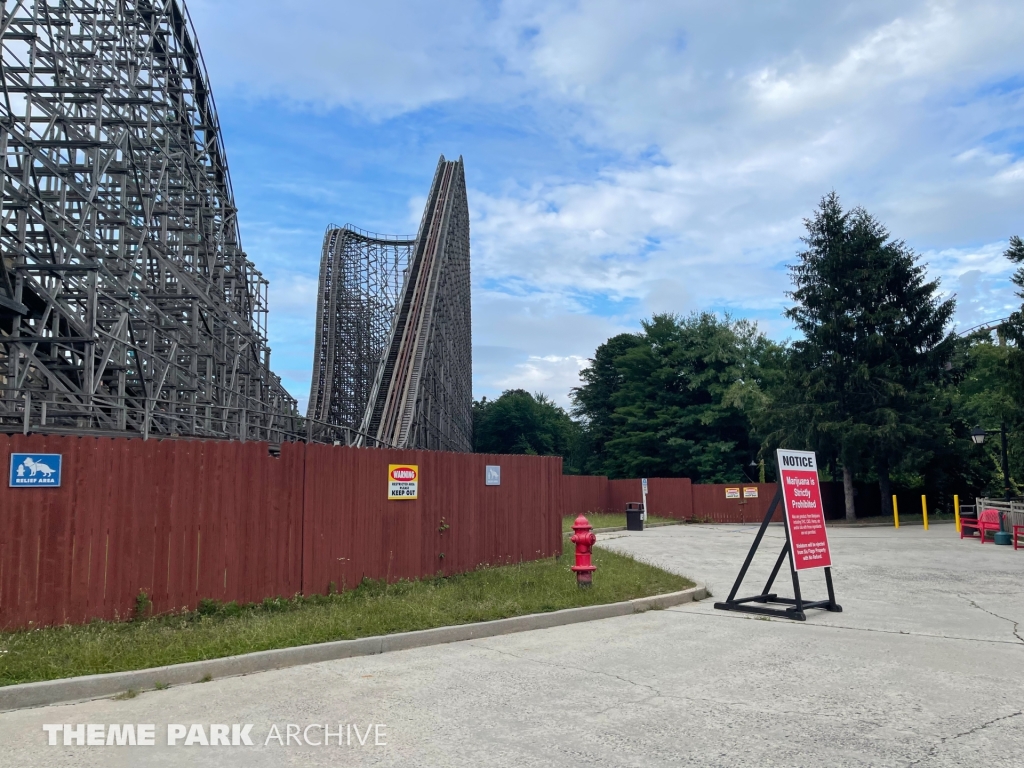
34, 470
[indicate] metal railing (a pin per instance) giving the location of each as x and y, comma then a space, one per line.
1010, 512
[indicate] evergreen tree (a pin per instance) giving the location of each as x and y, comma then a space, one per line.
1015, 253
1013, 331
875, 350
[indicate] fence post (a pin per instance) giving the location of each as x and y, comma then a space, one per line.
924, 510
895, 512
956, 512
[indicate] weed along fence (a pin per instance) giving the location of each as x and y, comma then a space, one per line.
185, 520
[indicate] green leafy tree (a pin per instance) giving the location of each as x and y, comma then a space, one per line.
518, 422
667, 402
863, 383
593, 402
984, 397
993, 390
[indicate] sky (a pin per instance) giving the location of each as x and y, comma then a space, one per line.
622, 158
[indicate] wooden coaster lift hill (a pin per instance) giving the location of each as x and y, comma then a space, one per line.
806, 544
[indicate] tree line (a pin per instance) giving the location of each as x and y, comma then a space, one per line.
876, 382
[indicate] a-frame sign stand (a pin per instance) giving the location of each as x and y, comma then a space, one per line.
759, 603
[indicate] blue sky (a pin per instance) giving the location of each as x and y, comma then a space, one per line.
622, 158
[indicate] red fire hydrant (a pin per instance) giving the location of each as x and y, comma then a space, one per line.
584, 538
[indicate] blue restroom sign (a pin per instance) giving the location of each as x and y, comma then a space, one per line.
33, 470
492, 475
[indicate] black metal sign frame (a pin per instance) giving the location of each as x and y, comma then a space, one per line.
759, 603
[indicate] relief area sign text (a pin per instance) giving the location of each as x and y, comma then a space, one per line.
35, 470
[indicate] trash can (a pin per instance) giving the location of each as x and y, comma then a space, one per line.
1002, 536
634, 516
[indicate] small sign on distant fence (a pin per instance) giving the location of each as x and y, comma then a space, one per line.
750, 493
492, 475
732, 493
35, 470
403, 481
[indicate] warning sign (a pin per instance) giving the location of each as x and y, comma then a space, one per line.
732, 493
403, 481
750, 493
805, 517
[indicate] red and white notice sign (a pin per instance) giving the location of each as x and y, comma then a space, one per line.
805, 517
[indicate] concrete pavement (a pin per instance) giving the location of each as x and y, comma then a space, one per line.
925, 667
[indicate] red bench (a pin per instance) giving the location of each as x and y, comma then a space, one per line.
988, 520
1017, 531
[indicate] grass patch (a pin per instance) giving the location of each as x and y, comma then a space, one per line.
602, 520
215, 630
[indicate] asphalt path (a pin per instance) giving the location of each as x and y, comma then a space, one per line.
924, 667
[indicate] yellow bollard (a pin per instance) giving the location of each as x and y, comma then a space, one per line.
924, 510
956, 512
895, 512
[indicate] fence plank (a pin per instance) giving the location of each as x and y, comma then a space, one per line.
189, 519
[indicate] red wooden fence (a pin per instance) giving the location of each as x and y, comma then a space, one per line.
670, 497
674, 497
585, 494
180, 519
352, 530
185, 520
621, 492
666, 496
188, 519
710, 503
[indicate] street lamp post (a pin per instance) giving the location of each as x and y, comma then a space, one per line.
1006, 462
978, 436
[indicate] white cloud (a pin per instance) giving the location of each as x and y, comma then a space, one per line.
534, 343
714, 128
552, 375
928, 41
978, 278
383, 58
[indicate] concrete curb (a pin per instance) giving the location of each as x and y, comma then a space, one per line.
72, 689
